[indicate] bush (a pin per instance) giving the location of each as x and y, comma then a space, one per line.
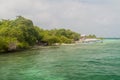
8, 44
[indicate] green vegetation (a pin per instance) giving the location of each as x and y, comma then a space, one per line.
91, 36
22, 34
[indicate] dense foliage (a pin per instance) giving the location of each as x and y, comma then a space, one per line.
21, 34
90, 36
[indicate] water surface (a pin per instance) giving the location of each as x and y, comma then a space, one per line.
94, 61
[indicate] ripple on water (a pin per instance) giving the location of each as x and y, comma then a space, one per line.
99, 61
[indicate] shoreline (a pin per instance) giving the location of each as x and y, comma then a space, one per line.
56, 45
89, 40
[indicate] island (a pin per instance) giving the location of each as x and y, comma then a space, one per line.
21, 34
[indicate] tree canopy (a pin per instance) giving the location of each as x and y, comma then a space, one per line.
21, 33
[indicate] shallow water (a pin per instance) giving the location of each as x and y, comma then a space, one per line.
94, 61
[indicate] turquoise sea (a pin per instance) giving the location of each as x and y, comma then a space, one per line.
92, 61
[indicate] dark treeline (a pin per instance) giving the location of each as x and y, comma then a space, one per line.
22, 34
91, 36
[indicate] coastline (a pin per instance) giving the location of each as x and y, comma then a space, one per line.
89, 40
56, 45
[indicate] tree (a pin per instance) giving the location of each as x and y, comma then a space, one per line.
91, 36
21, 33
21, 29
8, 44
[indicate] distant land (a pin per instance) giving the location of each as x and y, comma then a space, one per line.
111, 38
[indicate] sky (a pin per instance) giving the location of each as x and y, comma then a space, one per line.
99, 17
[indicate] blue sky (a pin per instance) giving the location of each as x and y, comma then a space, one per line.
100, 17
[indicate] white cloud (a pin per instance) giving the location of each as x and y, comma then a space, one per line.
86, 16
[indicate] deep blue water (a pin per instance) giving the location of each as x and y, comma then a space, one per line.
94, 61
